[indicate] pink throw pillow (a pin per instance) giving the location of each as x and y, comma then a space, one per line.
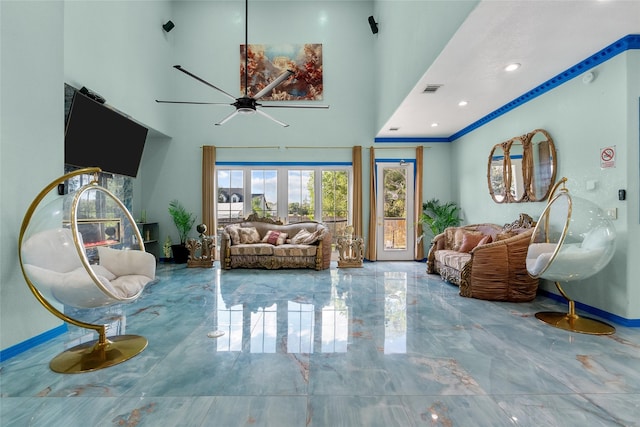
470, 241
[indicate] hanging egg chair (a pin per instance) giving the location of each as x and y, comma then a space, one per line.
80, 253
573, 240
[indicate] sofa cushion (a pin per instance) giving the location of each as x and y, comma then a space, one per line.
274, 237
460, 235
295, 250
233, 233
305, 237
252, 249
453, 259
248, 235
470, 241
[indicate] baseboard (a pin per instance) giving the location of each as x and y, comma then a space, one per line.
17, 349
631, 323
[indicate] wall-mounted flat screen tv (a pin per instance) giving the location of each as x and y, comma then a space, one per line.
99, 136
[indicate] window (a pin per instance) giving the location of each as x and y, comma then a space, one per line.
300, 204
335, 200
316, 193
230, 195
264, 193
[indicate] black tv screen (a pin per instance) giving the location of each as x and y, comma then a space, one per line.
98, 136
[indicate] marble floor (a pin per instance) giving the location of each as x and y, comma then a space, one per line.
384, 345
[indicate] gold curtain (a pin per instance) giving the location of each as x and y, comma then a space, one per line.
371, 251
357, 190
419, 249
208, 188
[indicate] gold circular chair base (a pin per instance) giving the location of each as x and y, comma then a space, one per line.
575, 323
94, 355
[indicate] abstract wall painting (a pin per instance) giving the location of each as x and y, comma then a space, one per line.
267, 62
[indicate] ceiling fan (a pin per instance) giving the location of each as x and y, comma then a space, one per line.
246, 104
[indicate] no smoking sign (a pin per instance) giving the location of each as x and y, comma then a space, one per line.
608, 157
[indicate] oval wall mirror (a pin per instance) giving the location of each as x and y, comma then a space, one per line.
496, 176
522, 169
516, 167
543, 160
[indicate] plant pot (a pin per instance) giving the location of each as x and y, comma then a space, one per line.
180, 254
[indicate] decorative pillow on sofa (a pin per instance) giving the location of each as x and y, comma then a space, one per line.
459, 238
233, 233
486, 239
305, 237
275, 238
248, 235
469, 241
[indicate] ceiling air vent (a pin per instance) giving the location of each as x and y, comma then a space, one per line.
431, 88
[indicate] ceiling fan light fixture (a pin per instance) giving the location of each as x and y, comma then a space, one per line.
246, 110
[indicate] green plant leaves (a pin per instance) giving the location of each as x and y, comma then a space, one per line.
182, 218
439, 216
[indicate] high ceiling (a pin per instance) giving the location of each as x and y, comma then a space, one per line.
545, 37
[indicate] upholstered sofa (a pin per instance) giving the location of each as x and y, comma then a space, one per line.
487, 261
264, 243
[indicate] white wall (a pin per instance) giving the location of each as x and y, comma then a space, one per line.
582, 119
31, 146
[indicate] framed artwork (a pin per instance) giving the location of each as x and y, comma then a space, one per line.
267, 62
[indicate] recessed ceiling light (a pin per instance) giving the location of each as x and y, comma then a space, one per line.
462, 103
512, 67
434, 125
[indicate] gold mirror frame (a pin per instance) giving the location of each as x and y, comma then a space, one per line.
525, 176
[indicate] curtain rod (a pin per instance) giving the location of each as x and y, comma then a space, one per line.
319, 148
246, 146
284, 147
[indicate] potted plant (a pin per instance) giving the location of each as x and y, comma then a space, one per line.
437, 216
184, 221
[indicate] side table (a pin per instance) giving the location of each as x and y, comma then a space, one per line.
350, 251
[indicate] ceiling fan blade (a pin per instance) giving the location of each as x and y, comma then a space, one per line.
282, 77
293, 106
179, 68
226, 119
192, 102
283, 124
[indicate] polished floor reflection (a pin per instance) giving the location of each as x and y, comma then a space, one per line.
383, 345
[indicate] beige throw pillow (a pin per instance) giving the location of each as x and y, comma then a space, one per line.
305, 237
248, 235
233, 233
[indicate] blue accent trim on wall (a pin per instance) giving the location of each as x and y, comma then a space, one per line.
631, 41
17, 349
631, 323
412, 139
284, 163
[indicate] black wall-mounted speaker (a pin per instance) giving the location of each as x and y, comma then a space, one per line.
373, 25
168, 26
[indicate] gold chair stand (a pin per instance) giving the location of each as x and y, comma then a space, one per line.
98, 354
572, 322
